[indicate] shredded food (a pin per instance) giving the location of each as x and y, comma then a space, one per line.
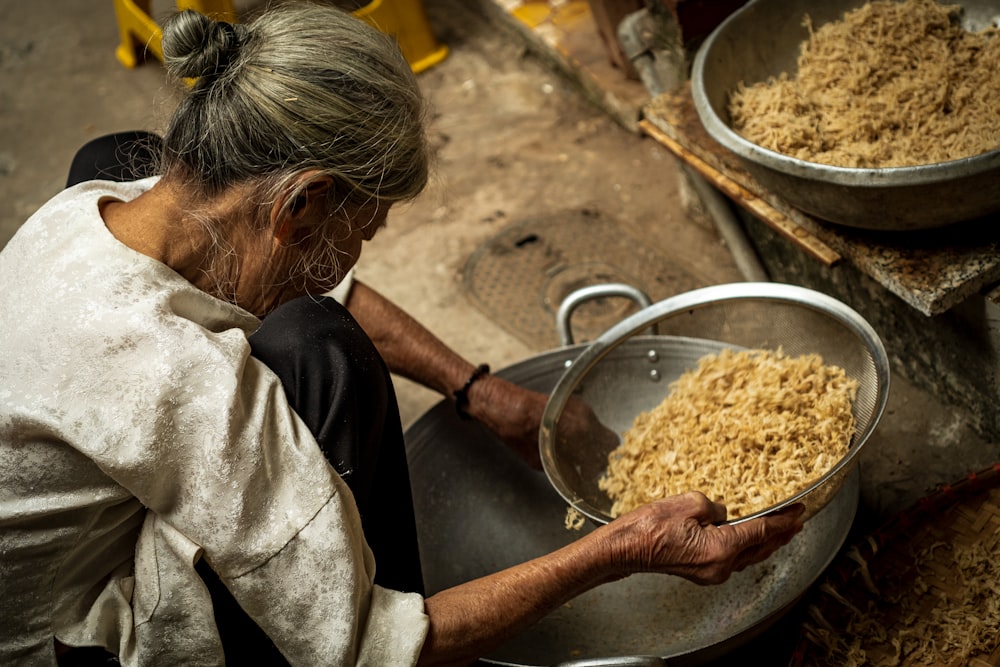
948, 615
891, 84
574, 519
747, 428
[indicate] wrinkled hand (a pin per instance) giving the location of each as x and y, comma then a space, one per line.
512, 412
579, 424
679, 535
515, 415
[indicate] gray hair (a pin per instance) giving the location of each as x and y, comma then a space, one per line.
301, 87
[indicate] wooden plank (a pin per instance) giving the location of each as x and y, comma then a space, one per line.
770, 215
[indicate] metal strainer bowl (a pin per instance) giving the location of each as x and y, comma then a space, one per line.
629, 370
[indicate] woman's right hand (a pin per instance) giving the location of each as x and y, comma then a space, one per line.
682, 535
677, 535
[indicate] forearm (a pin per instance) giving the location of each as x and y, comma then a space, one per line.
472, 619
408, 348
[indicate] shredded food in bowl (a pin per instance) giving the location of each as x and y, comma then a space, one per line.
747, 428
892, 84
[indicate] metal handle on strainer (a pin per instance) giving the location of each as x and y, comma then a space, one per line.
589, 293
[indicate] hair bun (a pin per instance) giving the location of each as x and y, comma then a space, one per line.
195, 46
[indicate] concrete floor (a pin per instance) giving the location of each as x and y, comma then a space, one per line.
514, 141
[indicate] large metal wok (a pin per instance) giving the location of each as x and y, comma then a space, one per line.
762, 40
480, 509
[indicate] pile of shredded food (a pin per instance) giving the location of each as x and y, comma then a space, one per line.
948, 614
747, 428
892, 84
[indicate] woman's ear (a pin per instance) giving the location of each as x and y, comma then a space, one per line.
302, 204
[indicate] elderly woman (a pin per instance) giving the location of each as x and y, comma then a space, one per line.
409, 349
193, 448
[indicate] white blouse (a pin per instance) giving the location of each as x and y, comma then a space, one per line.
137, 434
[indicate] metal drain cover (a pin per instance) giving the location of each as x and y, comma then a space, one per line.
519, 277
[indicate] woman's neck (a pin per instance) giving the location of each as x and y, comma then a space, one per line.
162, 223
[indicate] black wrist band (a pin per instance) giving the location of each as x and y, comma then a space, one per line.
462, 395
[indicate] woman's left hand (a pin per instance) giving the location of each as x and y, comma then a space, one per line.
512, 412
515, 415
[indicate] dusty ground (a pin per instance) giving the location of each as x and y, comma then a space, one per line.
517, 142
514, 142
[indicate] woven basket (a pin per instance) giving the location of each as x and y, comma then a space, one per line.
911, 579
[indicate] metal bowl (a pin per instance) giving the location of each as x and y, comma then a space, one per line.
627, 371
762, 40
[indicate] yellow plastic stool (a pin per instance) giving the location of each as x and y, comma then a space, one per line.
140, 34
405, 20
